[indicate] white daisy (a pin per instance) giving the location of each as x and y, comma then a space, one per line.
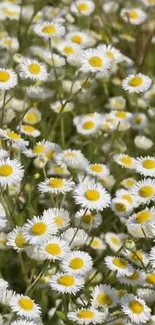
8, 79
94, 60
124, 160
144, 190
39, 229
135, 279
55, 249
66, 283
22, 322
87, 316
13, 137
133, 16
104, 295
24, 306
97, 243
98, 170
118, 264
16, 239
115, 241
112, 53
89, 220
77, 262
32, 117
56, 185
75, 237
33, 69
59, 216
121, 207
11, 172
83, 7
92, 196
29, 130
143, 219
135, 308
48, 29
136, 83
72, 159
145, 166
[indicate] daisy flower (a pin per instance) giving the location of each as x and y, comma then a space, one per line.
139, 121
149, 3
22, 322
97, 244
8, 79
72, 159
115, 241
135, 308
83, 7
143, 142
126, 195
55, 169
81, 38
144, 190
143, 219
32, 117
55, 249
134, 16
87, 316
70, 50
116, 103
118, 264
128, 183
94, 60
135, 279
39, 229
98, 170
145, 166
16, 239
77, 262
104, 295
48, 29
121, 207
13, 137
59, 216
89, 220
92, 196
33, 69
56, 185
137, 83
150, 279
29, 130
66, 283
75, 237
11, 172
111, 52
24, 306
125, 161
88, 125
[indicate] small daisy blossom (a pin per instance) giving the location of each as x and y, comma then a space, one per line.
87, 220
143, 219
144, 190
66, 283
92, 196
75, 237
16, 239
118, 264
125, 161
33, 69
104, 295
38, 230
11, 172
145, 166
77, 262
49, 29
56, 185
60, 217
29, 130
8, 79
135, 279
137, 83
115, 241
112, 53
55, 249
87, 316
94, 60
135, 308
13, 137
24, 307
83, 7
121, 207
134, 16
98, 170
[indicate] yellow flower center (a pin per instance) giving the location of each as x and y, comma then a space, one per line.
96, 62
50, 155
110, 55
136, 81
137, 256
97, 168
133, 14
86, 314
4, 76
139, 119
31, 117
69, 50
88, 219
59, 221
70, 154
136, 307
148, 164
120, 207
56, 182
29, 128
53, 249
121, 114
115, 240
20, 241
5, 170
96, 243
59, 169
151, 278
39, 228
10, 13
130, 182
39, 148
51, 30
77, 39
92, 195
13, 135
89, 125
147, 191
128, 161
104, 299
83, 7
134, 276
120, 263
26, 303
8, 42
34, 68
77, 263
143, 216
67, 280
128, 198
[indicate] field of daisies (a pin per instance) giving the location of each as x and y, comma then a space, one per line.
77, 162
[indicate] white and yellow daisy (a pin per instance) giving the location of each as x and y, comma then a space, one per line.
87, 316
9, 11
57, 107
33, 69
135, 279
98, 170
117, 103
111, 52
121, 207
55, 169
16, 239
128, 183
72, 159
87, 220
75, 237
88, 125
66, 283
24, 306
126, 195
29, 130
104, 296
144, 190
49, 29
56, 185
149, 3
139, 121
137, 257
145, 166
125, 161
97, 243
134, 16
55, 249
135, 308
137, 83
60, 216
83, 7
94, 60
77, 262
32, 117
39, 229
143, 219
92, 196
118, 264
82, 38
150, 279
9, 43
8, 79
11, 172
115, 241
13, 137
